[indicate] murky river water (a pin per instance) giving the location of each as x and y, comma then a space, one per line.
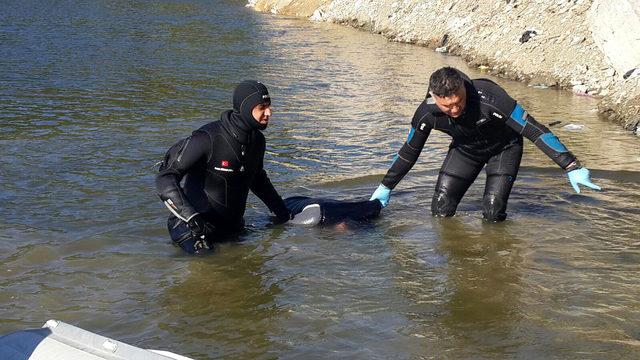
93, 93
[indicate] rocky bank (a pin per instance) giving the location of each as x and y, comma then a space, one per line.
591, 47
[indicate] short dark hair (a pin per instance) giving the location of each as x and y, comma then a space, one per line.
445, 81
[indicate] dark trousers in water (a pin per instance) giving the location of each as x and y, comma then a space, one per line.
459, 171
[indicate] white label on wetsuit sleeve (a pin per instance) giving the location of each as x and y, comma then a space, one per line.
170, 205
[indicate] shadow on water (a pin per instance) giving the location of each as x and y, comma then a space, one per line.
484, 282
228, 305
462, 281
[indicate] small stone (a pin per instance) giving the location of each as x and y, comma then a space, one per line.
610, 72
577, 40
441, 49
527, 35
580, 89
317, 15
445, 40
631, 73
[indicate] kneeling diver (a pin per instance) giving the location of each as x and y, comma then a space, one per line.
204, 179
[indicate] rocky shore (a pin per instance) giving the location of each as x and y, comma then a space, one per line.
590, 47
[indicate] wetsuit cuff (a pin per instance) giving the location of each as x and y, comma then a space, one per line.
575, 164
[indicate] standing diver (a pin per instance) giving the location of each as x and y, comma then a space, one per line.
487, 127
218, 165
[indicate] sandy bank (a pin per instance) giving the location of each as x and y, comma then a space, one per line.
589, 47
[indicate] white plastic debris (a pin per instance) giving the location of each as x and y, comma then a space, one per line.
573, 127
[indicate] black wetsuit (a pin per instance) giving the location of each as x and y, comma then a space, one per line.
211, 172
490, 132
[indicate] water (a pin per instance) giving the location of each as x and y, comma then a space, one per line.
92, 94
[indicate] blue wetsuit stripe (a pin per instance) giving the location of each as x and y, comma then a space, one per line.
413, 131
553, 142
519, 115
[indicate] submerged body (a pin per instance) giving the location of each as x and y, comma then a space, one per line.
318, 211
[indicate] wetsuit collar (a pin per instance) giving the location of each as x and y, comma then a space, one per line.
233, 123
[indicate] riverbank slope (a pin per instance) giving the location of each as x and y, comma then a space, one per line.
590, 47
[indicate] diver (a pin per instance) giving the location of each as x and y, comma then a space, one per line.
487, 127
204, 179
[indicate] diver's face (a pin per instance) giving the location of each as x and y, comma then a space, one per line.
454, 104
261, 113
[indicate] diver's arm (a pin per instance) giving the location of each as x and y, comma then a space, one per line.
410, 150
264, 190
178, 160
542, 137
545, 140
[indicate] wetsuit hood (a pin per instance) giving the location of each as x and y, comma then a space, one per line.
246, 96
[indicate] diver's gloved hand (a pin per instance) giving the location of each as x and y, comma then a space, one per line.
283, 216
197, 225
381, 194
197, 243
581, 176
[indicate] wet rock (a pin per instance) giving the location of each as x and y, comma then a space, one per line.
593, 90
542, 82
527, 35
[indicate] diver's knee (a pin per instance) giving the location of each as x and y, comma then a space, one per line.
443, 205
494, 208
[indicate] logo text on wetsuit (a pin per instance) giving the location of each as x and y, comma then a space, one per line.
225, 166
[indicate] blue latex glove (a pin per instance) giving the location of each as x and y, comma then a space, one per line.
581, 176
381, 194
